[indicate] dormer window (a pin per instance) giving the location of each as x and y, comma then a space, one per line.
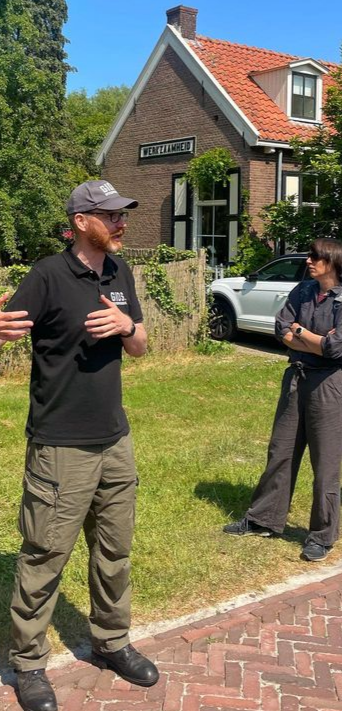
304, 96
296, 87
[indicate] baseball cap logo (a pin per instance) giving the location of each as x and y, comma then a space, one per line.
108, 189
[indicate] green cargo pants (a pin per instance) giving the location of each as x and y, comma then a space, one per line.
66, 488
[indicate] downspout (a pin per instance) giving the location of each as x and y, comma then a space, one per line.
279, 247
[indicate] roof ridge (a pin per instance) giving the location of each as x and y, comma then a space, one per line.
273, 52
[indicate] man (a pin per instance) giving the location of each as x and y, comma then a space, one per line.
80, 307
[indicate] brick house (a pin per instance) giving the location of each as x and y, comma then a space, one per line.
197, 93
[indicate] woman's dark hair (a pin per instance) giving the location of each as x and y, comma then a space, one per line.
330, 250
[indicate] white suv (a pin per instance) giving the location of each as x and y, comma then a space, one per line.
251, 303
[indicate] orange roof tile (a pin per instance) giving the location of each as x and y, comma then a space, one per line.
232, 66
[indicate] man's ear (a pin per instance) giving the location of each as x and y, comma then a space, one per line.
80, 221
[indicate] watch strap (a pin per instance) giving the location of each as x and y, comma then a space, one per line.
131, 333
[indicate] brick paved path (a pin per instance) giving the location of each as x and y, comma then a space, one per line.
281, 654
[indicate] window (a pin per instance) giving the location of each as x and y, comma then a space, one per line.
181, 213
291, 269
218, 212
303, 188
303, 96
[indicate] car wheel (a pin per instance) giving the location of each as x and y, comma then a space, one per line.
222, 325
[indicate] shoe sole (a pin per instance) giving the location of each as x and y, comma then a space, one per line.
315, 560
262, 534
103, 664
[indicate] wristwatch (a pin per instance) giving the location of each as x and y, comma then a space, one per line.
299, 330
131, 333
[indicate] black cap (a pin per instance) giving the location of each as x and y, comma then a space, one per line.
97, 195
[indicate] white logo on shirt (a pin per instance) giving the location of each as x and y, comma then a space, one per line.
118, 298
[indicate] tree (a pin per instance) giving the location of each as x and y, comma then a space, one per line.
34, 180
90, 119
285, 224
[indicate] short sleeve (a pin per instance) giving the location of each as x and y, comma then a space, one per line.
31, 296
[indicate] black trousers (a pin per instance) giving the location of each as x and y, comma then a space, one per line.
309, 412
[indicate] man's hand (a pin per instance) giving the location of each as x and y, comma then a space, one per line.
11, 326
109, 322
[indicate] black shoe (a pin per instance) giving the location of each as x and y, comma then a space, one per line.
129, 664
35, 691
247, 528
315, 551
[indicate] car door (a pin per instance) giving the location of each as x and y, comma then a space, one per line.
261, 298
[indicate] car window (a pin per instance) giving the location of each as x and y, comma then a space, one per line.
283, 270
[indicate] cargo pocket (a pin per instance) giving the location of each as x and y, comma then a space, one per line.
38, 511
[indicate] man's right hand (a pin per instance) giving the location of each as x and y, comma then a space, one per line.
11, 326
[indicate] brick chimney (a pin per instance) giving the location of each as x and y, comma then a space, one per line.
184, 20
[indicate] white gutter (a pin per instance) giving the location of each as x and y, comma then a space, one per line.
272, 144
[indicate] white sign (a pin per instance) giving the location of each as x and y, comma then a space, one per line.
167, 148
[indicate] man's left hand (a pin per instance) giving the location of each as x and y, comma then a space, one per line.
109, 322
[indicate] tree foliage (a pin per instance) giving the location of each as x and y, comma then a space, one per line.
208, 168
252, 252
33, 129
284, 224
90, 119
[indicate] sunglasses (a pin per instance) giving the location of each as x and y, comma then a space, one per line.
314, 256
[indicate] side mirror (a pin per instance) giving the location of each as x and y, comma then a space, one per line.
253, 276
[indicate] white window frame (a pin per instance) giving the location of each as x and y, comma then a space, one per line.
299, 194
306, 67
235, 217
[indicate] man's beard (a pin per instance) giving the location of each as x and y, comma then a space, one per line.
105, 244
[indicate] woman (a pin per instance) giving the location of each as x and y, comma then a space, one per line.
309, 410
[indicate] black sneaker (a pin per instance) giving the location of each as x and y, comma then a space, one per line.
247, 528
315, 551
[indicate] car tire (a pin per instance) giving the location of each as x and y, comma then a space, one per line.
222, 323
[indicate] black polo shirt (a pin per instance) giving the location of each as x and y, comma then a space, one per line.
75, 392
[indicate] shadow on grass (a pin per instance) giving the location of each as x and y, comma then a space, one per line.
69, 622
234, 500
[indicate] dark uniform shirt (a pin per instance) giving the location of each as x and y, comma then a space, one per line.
302, 306
75, 392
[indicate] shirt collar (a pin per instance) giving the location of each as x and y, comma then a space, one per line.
80, 269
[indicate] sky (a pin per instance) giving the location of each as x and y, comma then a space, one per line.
110, 40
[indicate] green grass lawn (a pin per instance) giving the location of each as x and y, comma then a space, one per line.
201, 426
